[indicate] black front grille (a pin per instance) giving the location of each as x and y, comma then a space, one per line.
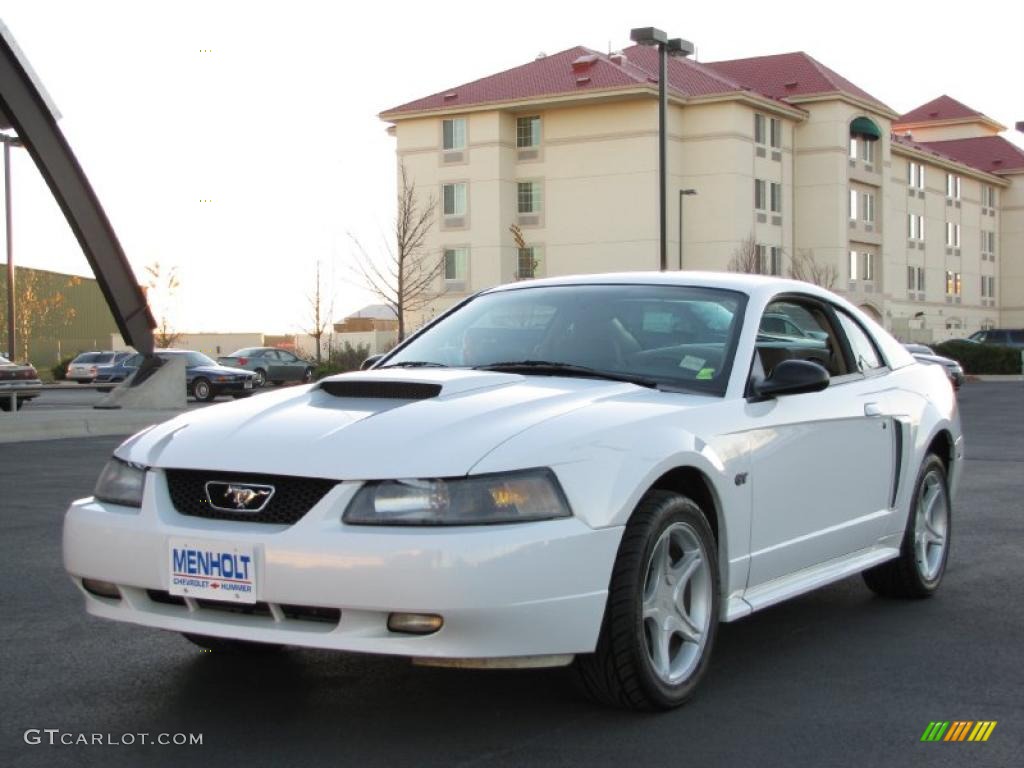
293, 496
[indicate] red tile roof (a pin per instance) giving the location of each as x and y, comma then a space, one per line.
992, 154
575, 70
789, 74
942, 108
543, 77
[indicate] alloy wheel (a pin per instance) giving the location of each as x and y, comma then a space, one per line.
676, 603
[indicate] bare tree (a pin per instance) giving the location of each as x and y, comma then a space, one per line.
408, 280
745, 257
321, 316
162, 287
805, 267
525, 269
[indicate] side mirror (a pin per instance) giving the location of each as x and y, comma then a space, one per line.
369, 362
793, 377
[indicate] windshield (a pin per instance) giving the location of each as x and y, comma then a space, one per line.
678, 336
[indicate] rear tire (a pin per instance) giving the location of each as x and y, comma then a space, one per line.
918, 571
661, 617
261, 377
229, 646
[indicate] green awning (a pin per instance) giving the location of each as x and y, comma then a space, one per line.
864, 126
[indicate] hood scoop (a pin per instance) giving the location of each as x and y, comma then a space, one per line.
382, 390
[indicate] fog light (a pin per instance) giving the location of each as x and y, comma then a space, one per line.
414, 623
101, 588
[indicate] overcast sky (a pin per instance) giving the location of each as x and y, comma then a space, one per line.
277, 124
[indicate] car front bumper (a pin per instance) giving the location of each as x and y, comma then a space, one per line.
521, 590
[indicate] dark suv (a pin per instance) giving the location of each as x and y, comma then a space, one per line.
1012, 337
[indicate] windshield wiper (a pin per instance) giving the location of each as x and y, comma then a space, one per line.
550, 368
414, 364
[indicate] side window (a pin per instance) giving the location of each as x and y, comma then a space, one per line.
865, 357
288, 357
792, 329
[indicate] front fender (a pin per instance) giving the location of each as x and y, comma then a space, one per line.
609, 455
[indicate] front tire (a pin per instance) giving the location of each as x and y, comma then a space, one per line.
202, 390
918, 571
228, 646
662, 613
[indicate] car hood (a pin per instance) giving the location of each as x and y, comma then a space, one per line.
937, 360
218, 370
309, 431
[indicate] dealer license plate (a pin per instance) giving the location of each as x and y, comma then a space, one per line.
212, 570
248, 384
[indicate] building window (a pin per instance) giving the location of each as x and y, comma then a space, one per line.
867, 151
952, 283
760, 194
869, 267
759, 133
853, 265
915, 226
453, 133
528, 196
769, 259
527, 262
988, 287
952, 235
776, 197
915, 278
853, 147
528, 132
988, 243
775, 132
868, 207
454, 199
953, 186
853, 205
456, 264
988, 196
915, 175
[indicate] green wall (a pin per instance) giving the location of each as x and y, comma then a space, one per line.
88, 327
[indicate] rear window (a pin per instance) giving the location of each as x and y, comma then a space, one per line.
87, 357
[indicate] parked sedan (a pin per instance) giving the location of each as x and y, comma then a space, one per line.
545, 475
927, 355
84, 367
204, 378
20, 381
276, 366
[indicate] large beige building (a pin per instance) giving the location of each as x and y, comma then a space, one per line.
918, 218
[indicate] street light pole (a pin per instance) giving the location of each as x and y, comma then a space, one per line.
682, 193
677, 47
11, 339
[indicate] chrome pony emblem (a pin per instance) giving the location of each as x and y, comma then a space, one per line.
238, 497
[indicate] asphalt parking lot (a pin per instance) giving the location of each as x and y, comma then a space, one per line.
837, 677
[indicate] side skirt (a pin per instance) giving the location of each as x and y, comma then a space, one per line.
798, 583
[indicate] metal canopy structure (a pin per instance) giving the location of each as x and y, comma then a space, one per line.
26, 107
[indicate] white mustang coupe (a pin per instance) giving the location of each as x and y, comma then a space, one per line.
592, 471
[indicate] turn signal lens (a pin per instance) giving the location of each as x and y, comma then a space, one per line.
101, 588
415, 623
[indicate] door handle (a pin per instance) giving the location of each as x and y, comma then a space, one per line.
872, 409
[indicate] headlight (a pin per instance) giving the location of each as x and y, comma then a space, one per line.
121, 483
508, 497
